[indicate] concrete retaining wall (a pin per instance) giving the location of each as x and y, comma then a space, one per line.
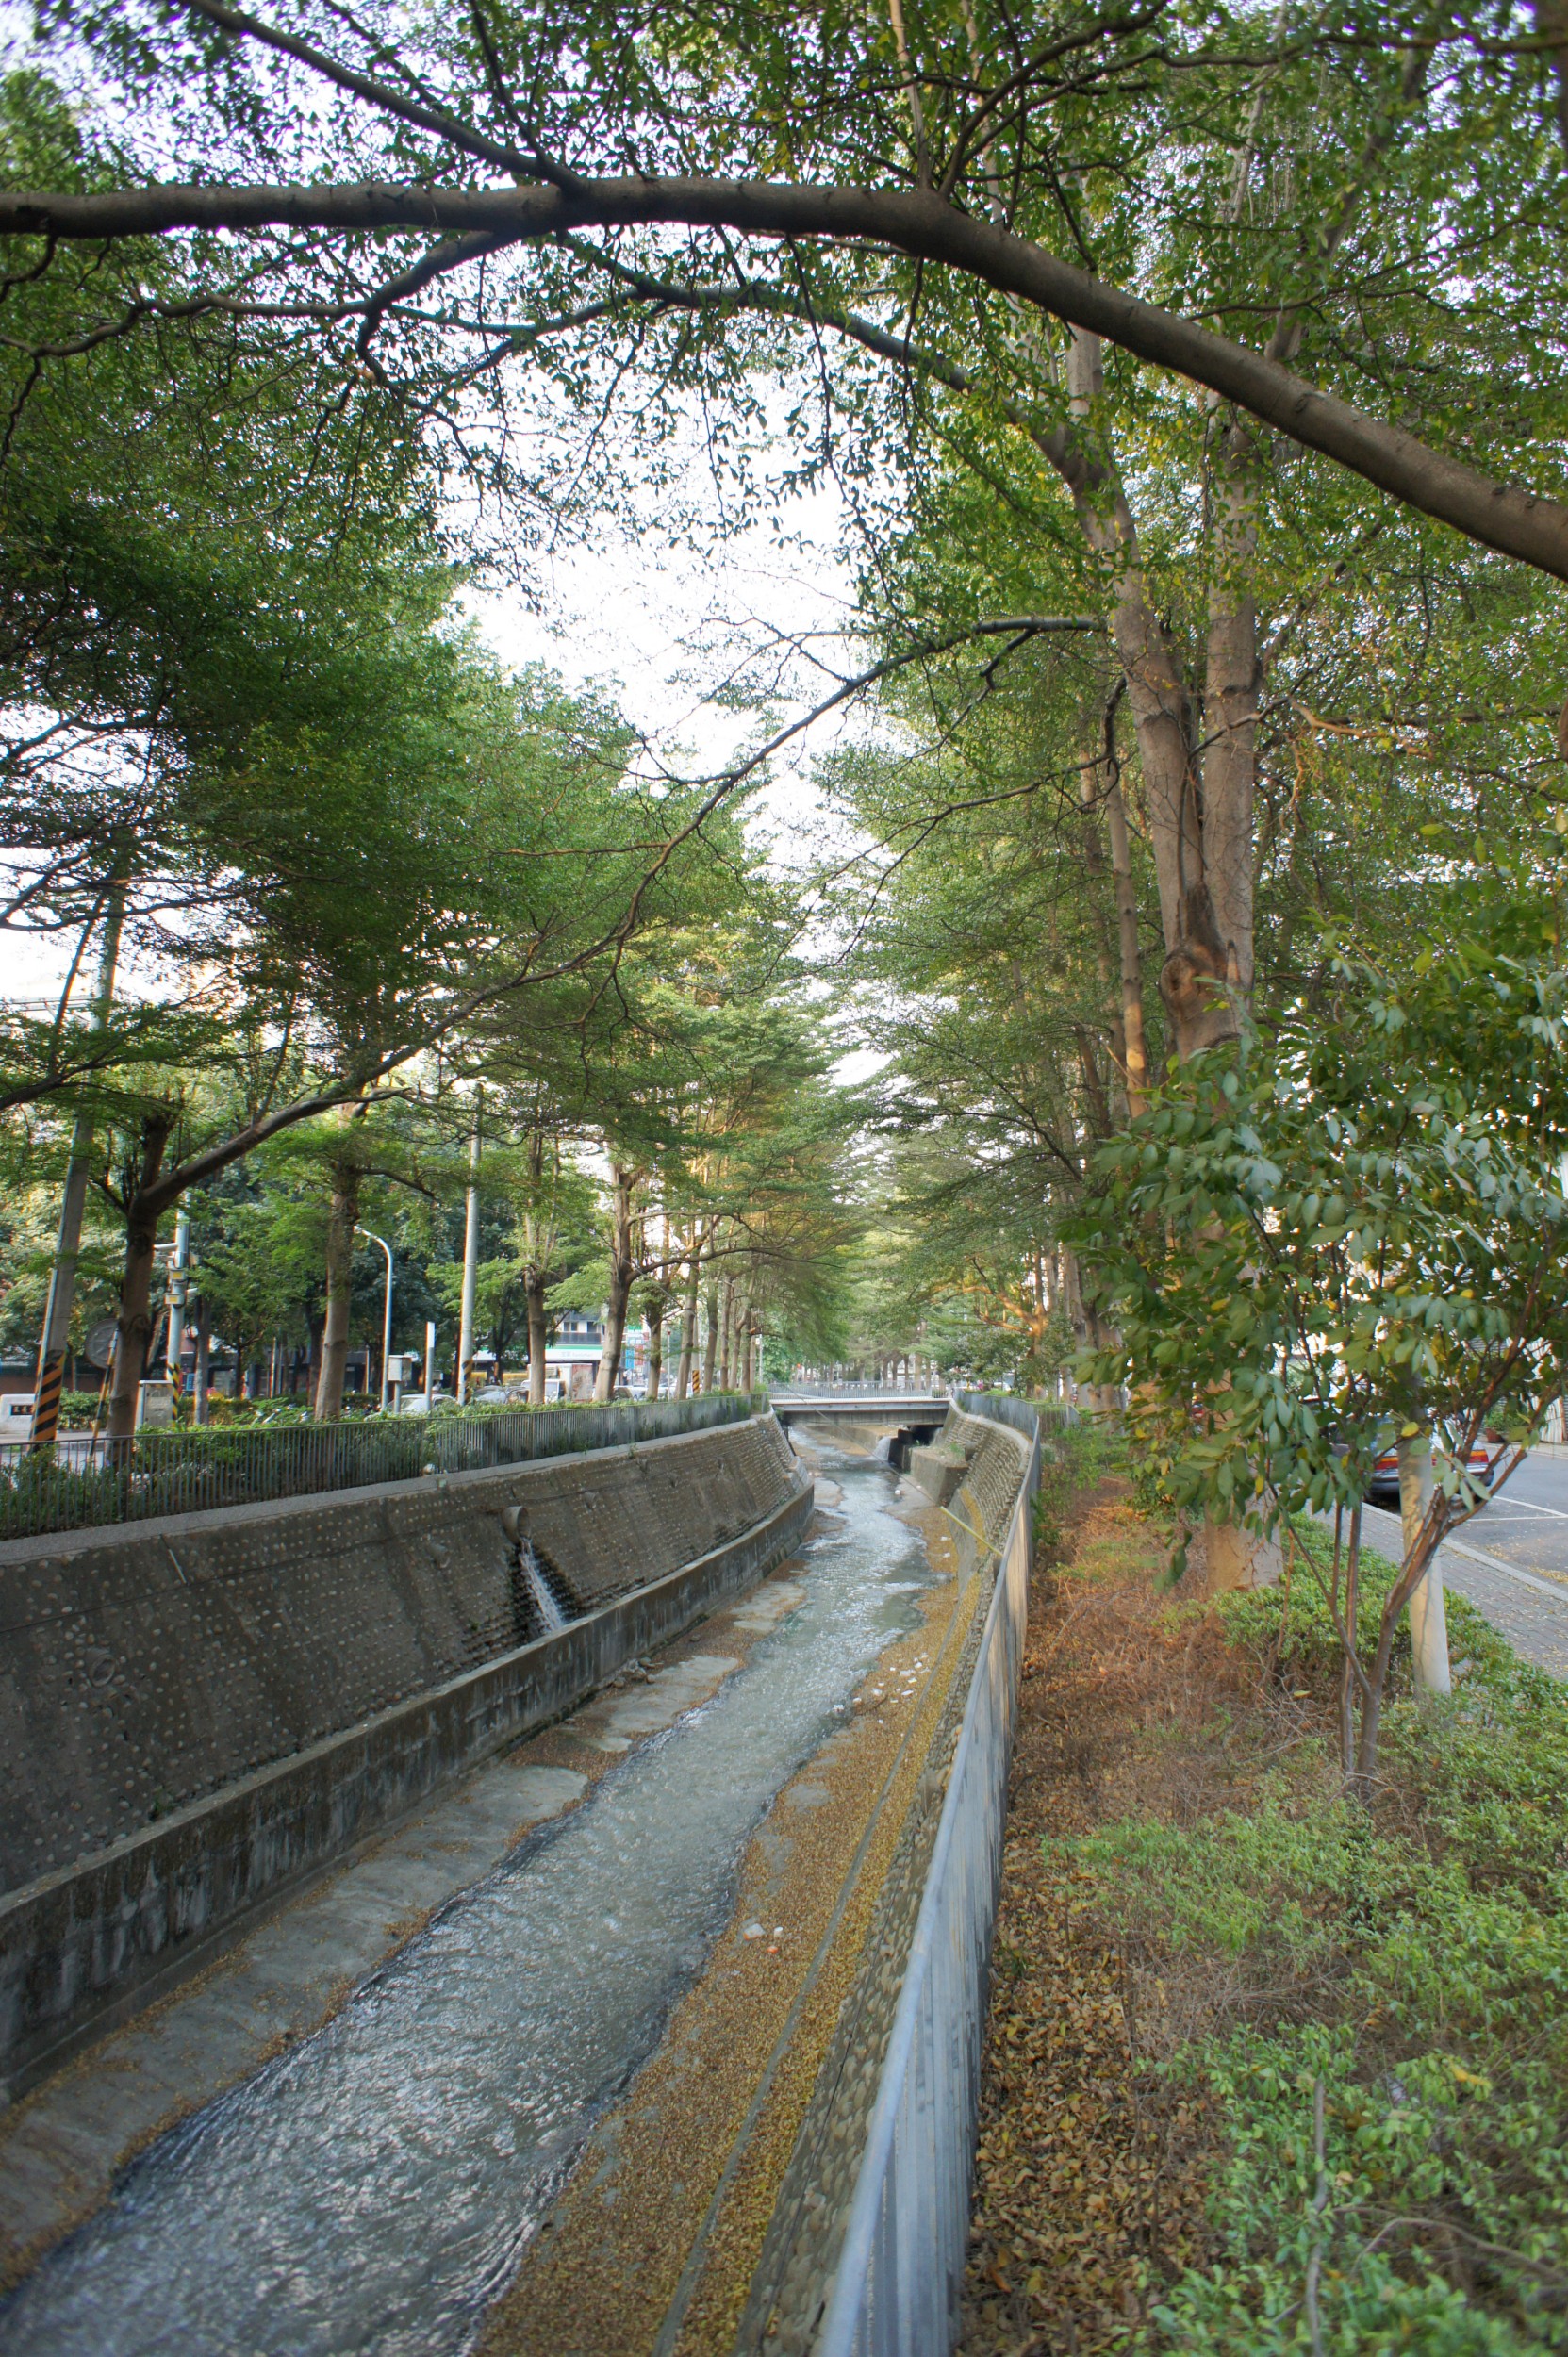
970, 1472
802, 2269
897, 2286
282, 1680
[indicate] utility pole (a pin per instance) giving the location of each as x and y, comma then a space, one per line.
470, 1263
62, 1277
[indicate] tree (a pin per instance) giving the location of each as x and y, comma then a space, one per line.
946, 151
1348, 1236
388, 888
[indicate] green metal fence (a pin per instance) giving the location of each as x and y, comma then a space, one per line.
83, 1485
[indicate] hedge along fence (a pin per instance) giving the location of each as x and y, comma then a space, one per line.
89, 1484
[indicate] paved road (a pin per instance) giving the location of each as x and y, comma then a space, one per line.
1512, 1559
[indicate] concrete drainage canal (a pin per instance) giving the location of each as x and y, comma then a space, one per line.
593, 2101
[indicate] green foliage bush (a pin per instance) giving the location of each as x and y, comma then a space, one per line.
1073, 1457
1414, 1960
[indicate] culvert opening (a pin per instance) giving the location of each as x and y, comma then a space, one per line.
543, 1598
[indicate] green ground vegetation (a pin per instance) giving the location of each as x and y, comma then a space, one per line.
1388, 2083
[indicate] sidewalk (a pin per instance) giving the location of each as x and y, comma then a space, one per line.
1531, 1613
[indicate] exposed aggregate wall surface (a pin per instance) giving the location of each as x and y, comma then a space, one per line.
141, 1671
323, 1637
795, 2271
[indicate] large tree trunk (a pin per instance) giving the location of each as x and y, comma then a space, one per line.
1200, 828
1129, 954
623, 1272
1194, 979
1235, 1557
346, 1180
726, 1332
1124, 1016
134, 1322
688, 1319
1231, 703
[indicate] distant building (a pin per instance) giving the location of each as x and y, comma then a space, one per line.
572, 1357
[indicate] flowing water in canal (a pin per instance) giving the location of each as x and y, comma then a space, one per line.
370, 2189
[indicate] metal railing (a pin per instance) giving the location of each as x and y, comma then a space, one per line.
896, 2290
853, 1391
87, 1485
1028, 1416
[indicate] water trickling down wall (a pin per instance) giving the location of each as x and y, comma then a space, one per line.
193, 1713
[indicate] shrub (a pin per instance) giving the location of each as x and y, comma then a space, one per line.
1406, 1967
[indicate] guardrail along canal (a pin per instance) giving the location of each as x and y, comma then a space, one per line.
374, 2187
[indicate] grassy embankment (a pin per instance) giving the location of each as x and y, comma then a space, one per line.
1268, 2071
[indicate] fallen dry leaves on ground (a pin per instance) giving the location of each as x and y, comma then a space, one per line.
1090, 2175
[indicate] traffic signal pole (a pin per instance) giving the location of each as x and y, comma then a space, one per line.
62, 1276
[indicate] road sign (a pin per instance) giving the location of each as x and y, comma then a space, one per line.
99, 1346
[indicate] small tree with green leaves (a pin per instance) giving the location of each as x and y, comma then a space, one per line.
1349, 1233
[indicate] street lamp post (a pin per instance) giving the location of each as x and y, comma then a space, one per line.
470, 1258
386, 1319
179, 1280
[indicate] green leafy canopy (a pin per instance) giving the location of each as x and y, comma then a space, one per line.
1355, 1221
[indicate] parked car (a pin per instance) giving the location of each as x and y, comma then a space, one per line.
416, 1404
1383, 1487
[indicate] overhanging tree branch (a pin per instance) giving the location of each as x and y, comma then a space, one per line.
915, 223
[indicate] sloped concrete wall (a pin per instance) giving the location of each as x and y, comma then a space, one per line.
198, 1712
971, 1472
143, 1668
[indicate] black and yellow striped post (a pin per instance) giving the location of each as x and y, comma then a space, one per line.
46, 1407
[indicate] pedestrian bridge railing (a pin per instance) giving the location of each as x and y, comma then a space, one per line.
856, 1390
91, 1484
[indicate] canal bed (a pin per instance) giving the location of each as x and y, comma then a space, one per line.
372, 2189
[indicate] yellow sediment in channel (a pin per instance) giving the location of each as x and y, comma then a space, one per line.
674, 2192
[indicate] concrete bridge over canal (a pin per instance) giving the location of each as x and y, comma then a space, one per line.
556, 1879
891, 1423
